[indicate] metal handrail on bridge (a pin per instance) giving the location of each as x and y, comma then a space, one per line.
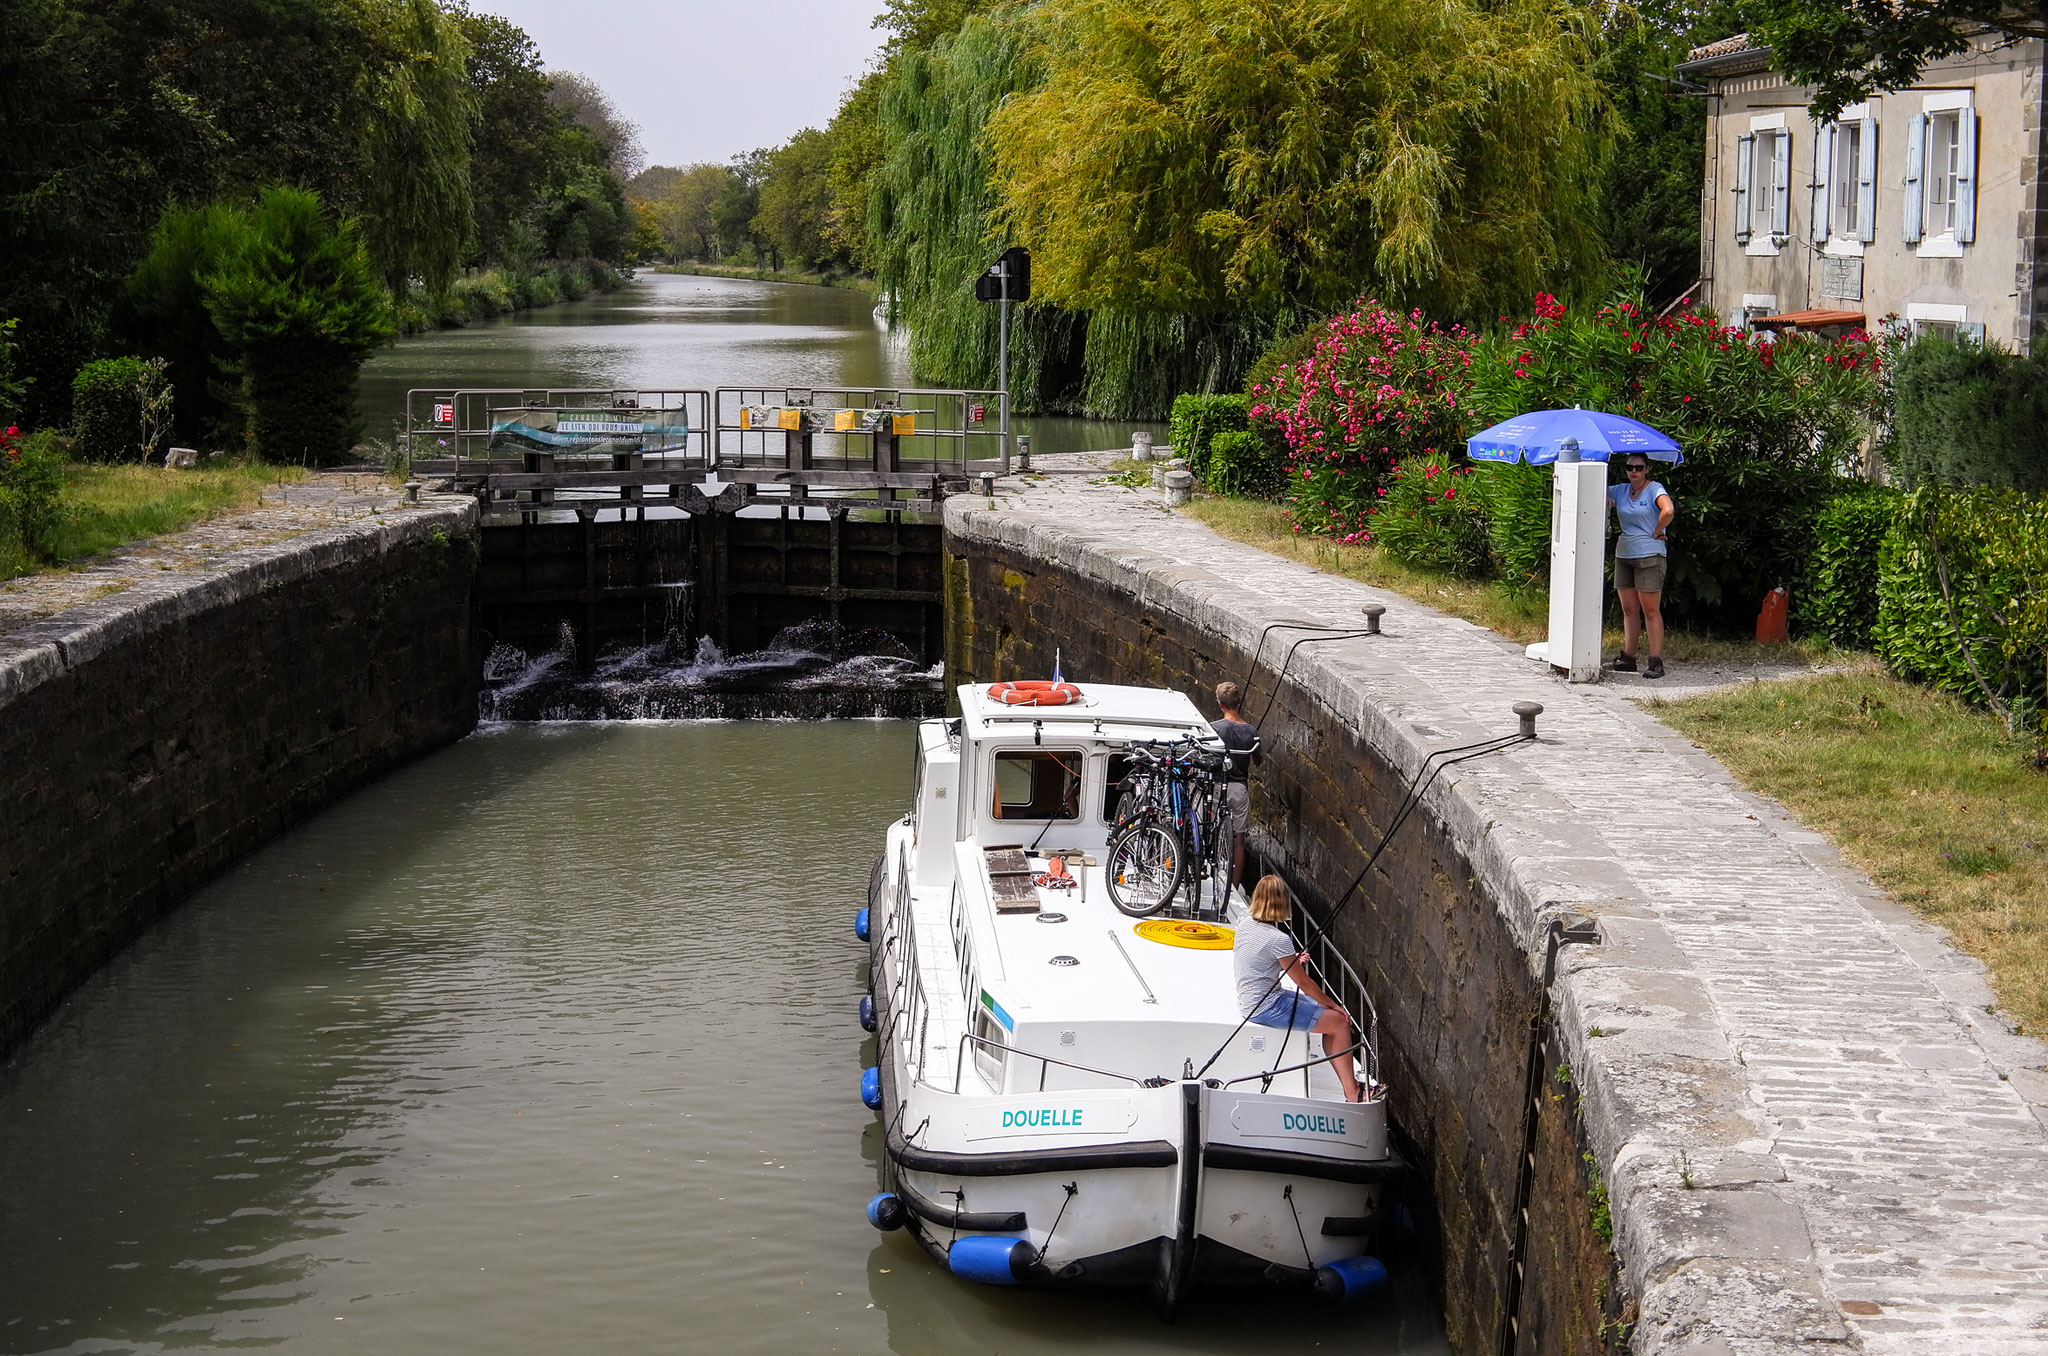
952, 431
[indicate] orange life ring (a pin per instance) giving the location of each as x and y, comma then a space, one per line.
1034, 692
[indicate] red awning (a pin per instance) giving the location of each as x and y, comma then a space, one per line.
1810, 320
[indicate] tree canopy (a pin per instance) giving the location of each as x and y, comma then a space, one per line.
1268, 155
1850, 49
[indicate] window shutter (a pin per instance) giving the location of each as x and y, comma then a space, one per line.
1916, 151
1781, 185
1823, 166
1745, 148
1866, 182
1966, 175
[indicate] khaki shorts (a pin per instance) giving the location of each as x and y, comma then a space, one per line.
1644, 574
1237, 807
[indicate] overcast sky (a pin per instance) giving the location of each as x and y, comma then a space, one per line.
707, 81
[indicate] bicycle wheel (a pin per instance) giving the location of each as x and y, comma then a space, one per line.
1143, 869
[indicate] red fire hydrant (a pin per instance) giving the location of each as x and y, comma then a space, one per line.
1773, 620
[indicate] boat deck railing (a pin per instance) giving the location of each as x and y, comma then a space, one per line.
1045, 1062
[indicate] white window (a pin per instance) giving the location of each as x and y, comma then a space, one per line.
1941, 318
1763, 184
1855, 174
1944, 147
1941, 170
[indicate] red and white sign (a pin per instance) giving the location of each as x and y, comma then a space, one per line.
444, 414
977, 413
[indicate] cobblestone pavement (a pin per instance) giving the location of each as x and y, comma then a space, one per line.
1865, 1107
326, 499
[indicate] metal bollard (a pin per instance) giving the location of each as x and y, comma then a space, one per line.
412, 492
1528, 711
1023, 451
1373, 613
988, 487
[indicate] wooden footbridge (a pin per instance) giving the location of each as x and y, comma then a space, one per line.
730, 513
614, 454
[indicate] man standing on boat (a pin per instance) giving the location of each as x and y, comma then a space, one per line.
1241, 740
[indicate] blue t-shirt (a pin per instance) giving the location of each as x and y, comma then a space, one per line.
1638, 521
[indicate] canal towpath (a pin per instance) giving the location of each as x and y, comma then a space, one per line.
1814, 1124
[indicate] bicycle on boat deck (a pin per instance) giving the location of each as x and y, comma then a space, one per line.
1169, 838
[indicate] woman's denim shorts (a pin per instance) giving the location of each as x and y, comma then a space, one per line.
1288, 1008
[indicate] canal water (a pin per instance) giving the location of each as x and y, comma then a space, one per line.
671, 331
546, 1043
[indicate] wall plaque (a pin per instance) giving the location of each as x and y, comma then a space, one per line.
1841, 278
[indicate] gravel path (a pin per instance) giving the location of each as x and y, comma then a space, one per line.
327, 499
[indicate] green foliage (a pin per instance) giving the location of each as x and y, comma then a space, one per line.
1264, 156
1246, 463
795, 215
106, 410
1649, 182
1196, 422
1960, 602
1839, 600
13, 384
298, 298
31, 489
1850, 51
1969, 414
1514, 502
1289, 350
1428, 516
1766, 430
162, 310
416, 207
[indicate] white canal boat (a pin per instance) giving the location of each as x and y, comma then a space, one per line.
1066, 1093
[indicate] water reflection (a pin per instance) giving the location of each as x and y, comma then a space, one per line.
665, 330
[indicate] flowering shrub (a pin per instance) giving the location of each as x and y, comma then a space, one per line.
1381, 386
1429, 515
1767, 429
31, 490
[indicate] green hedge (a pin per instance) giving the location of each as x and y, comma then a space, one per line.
1969, 414
1838, 598
106, 412
1985, 636
1245, 462
1197, 419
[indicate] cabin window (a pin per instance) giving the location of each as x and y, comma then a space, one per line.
1038, 784
1117, 767
988, 1050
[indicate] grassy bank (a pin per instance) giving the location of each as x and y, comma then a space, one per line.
106, 507
1927, 795
1521, 615
496, 291
846, 280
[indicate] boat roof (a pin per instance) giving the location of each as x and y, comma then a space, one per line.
1130, 711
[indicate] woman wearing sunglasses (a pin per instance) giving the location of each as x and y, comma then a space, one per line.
1644, 510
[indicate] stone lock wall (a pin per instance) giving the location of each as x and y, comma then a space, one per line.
150, 739
1454, 990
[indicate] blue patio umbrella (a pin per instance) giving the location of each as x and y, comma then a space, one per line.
1535, 438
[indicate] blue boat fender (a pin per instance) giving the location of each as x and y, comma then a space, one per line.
867, 1012
990, 1260
871, 1088
1348, 1278
886, 1211
860, 925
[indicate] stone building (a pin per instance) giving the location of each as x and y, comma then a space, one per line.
1921, 205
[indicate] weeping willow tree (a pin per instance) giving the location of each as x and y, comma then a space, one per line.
1276, 158
927, 216
416, 207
